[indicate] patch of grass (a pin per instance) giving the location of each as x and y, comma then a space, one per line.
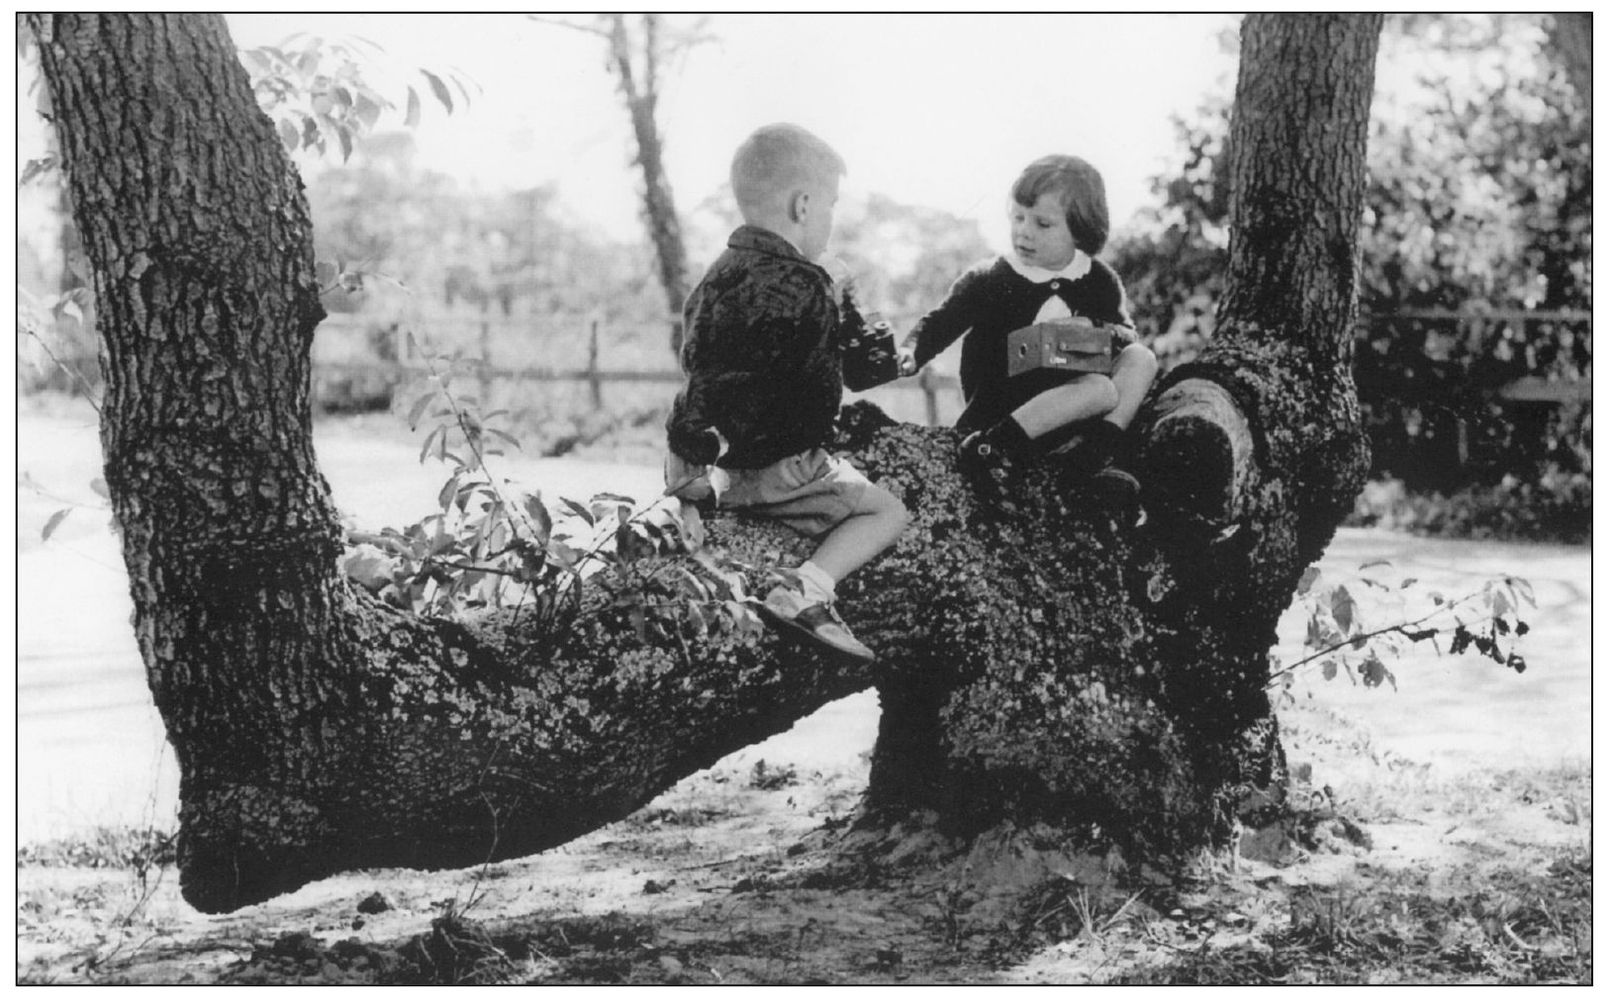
687, 816
766, 778
1517, 929
114, 847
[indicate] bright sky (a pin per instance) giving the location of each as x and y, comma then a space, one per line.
934, 109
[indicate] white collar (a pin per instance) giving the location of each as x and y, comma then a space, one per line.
1078, 267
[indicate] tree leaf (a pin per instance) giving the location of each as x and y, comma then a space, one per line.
1343, 606
1373, 671
33, 168
579, 509
419, 407
54, 522
412, 114
533, 505
367, 111
369, 567
426, 447
494, 431
98, 486
289, 135
1307, 578
1522, 590
565, 555
440, 89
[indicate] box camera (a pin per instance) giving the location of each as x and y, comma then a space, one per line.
1073, 344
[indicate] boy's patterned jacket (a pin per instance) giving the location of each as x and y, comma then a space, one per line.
760, 356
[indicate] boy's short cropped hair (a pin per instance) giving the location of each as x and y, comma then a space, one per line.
1081, 187
776, 159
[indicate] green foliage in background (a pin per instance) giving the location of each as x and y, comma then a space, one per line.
1479, 202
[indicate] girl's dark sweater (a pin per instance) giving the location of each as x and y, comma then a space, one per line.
992, 300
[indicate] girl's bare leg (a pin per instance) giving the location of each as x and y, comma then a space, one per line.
1080, 399
1133, 374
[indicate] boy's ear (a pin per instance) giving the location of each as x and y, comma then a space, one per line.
798, 206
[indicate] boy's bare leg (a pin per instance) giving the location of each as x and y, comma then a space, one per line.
1133, 374
875, 526
1080, 399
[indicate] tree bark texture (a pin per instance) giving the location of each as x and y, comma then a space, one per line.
1047, 667
1571, 35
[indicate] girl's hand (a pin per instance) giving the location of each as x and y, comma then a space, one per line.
906, 365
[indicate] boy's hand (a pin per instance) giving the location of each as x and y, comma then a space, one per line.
686, 481
906, 365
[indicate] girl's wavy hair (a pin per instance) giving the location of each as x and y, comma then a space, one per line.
1079, 186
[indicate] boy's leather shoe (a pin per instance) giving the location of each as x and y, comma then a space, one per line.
787, 607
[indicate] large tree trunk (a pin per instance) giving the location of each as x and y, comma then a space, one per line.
1046, 669
1119, 681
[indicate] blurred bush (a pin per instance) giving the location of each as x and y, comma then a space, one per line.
1476, 254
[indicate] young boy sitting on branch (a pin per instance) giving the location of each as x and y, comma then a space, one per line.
763, 388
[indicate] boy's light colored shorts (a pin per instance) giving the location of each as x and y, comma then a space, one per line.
812, 491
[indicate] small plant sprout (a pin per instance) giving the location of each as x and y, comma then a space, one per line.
1358, 625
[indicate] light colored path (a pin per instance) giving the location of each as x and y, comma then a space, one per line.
90, 748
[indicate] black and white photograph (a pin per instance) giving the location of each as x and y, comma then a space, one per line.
804, 498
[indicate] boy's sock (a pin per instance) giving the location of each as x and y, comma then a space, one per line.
816, 584
811, 612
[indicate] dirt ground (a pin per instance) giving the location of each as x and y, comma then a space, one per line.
1459, 848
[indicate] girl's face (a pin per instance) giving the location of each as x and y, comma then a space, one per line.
1041, 237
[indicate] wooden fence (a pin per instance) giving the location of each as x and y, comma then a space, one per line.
933, 387
592, 372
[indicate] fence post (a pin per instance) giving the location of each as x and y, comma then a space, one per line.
594, 363
927, 382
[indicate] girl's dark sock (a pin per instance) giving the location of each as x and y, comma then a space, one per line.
1093, 446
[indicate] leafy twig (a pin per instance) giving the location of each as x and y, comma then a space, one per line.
89, 390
